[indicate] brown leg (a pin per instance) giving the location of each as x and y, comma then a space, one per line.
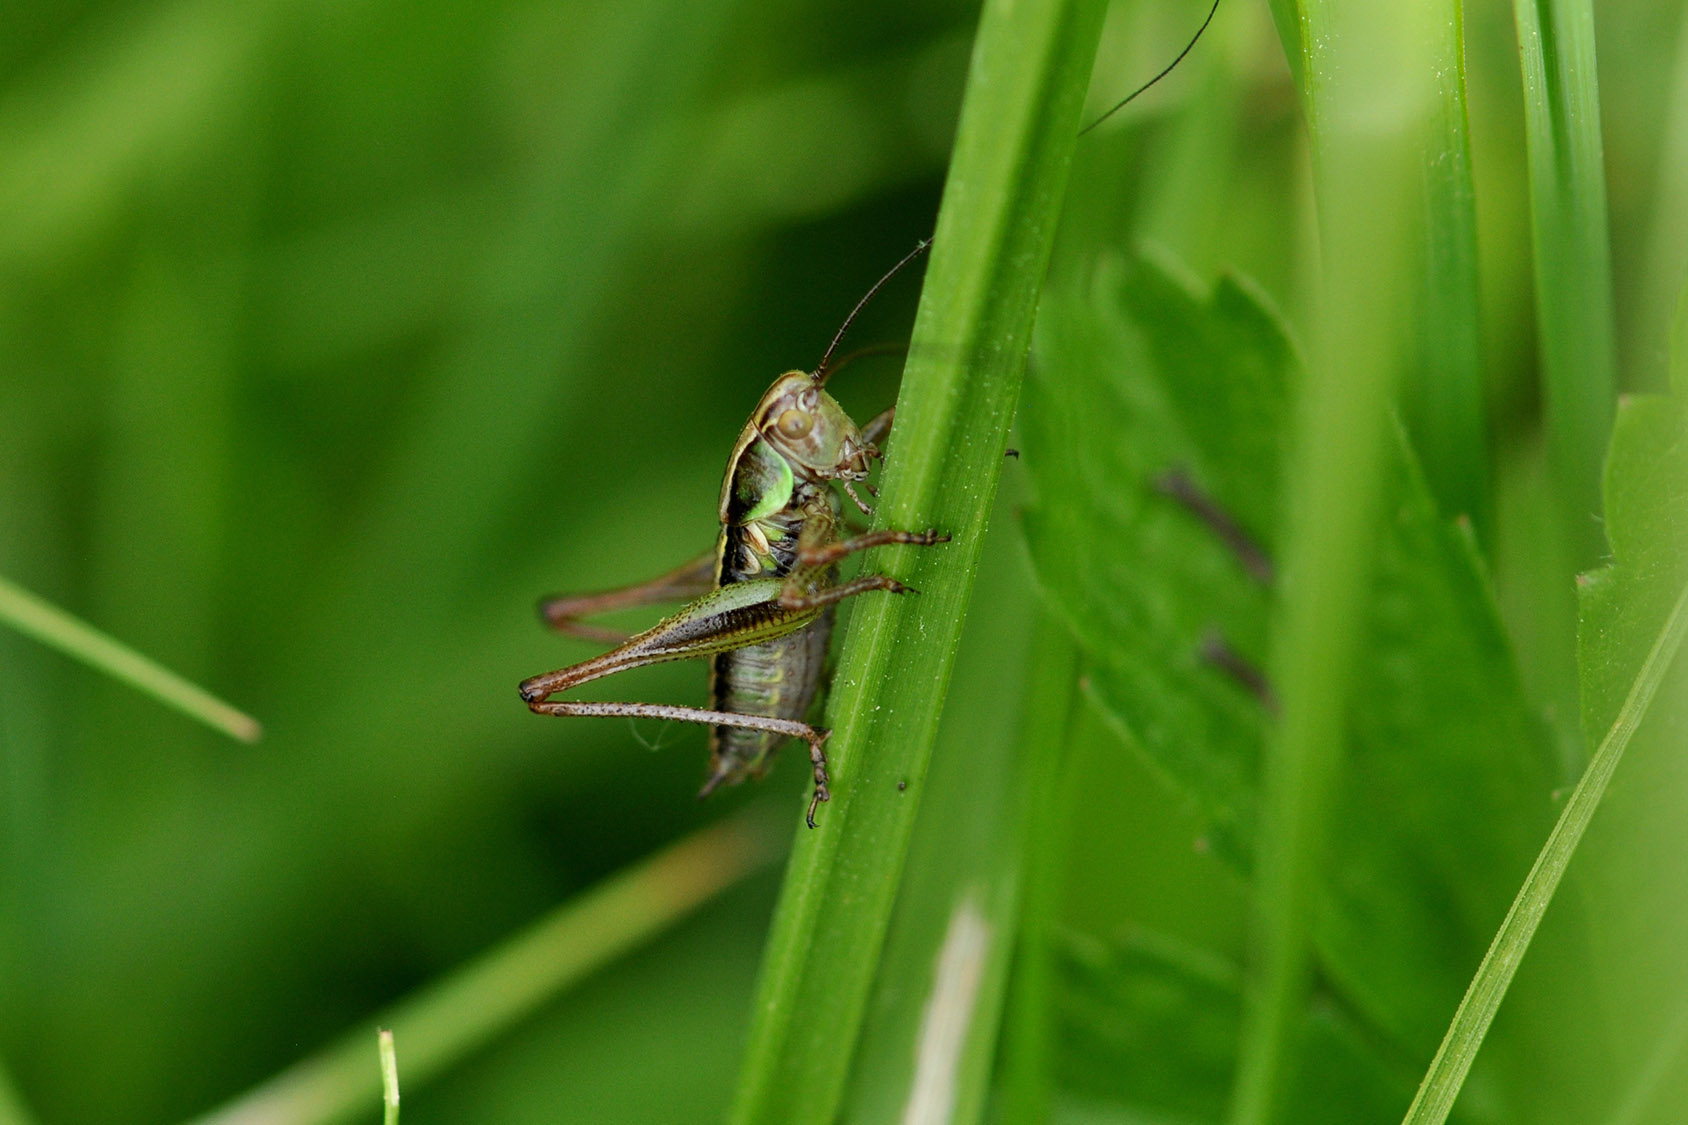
683, 583
878, 427
791, 728
817, 759
796, 601
861, 505
829, 553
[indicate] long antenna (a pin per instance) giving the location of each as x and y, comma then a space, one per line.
1128, 98
822, 372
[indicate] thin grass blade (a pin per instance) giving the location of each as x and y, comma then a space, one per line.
1367, 103
1573, 258
57, 629
1471, 1021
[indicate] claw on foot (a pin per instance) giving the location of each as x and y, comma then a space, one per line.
817, 758
821, 794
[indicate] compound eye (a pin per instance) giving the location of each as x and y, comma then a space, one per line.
794, 425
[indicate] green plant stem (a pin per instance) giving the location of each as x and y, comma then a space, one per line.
1573, 265
1286, 15
1442, 1082
448, 1020
1443, 399
1020, 116
389, 1076
1367, 103
57, 629
1667, 238
1028, 1050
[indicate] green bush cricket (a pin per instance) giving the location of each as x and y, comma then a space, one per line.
760, 605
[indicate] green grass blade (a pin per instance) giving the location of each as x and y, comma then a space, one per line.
928, 1040
465, 1010
389, 1076
1031, 63
1286, 15
1476, 1011
1368, 102
1667, 236
1573, 266
57, 629
1443, 399
1029, 1033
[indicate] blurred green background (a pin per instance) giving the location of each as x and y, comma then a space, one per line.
332, 335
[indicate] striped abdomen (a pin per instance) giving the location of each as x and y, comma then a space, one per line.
777, 679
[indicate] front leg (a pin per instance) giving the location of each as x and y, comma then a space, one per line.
825, 554
812, 585
794, 597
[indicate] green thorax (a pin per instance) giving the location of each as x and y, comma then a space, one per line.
765, 505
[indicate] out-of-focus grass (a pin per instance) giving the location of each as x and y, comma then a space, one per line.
331, 336
33, 617
1574, 312
459, 1014
389, 1077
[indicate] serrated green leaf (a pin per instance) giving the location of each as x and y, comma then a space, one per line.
1632, 865
1151, 1025
1105, 538
1445, 795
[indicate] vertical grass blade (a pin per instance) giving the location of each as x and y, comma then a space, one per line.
389, 1076
1028, 1033
1286, 15
55, 628
1020, 116
1442, 1082
1443, 398
1667, 238
961, 884
1368, 102
1574, 325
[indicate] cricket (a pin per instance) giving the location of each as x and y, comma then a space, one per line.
760, 606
